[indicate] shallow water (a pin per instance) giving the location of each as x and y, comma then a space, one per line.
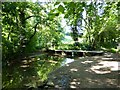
31, 71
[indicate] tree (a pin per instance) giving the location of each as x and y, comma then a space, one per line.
25, 25
96, 34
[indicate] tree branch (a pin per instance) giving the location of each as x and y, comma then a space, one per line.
35, 27
30, 17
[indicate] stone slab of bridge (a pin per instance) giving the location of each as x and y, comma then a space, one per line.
77, 52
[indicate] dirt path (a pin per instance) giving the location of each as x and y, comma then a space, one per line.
89, 72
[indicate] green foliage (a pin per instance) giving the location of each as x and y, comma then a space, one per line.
27, 26
112, 50
75, 46
61, 8
66, 47
101, 29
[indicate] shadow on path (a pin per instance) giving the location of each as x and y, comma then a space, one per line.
89, 72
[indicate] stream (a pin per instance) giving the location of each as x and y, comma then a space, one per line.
31, 71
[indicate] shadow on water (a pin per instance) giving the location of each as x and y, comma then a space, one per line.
31, 71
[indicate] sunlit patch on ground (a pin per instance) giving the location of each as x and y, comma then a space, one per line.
72, 86
74, 70
24, 61
86, 62
104, 67
111, 59
27, 61
88, 72
74, 83
107, 58
24, 66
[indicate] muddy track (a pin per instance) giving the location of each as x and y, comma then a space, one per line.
89, 72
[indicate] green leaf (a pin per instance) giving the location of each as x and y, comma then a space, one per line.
83, 4
61, 8
56, 14
56, 3
72, 5
66, 16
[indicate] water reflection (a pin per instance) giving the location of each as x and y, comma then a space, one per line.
31, 71
66, 61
